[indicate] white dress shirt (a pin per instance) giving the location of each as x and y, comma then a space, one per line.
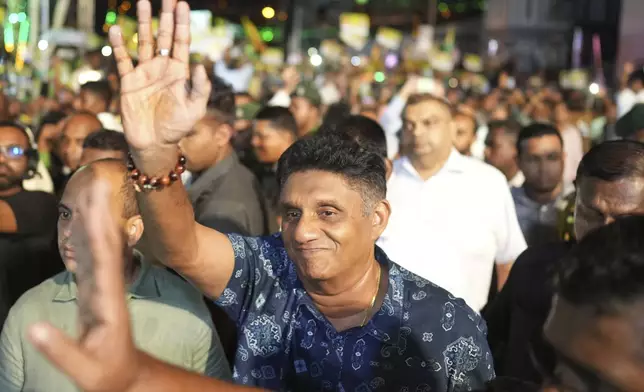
626, 99
452, 228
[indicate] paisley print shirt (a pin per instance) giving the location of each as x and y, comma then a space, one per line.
422, 339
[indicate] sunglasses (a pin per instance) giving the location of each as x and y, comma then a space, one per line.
13, 151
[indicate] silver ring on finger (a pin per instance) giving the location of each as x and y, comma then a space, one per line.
164, 52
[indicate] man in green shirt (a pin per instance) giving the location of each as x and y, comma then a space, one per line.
306, 106
168, 317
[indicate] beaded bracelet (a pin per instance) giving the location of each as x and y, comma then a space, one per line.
143, 182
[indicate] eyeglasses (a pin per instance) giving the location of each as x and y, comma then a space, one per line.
13, 151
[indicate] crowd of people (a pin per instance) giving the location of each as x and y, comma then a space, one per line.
165, 230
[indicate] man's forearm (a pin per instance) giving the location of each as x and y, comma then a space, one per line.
157, 376
167, 214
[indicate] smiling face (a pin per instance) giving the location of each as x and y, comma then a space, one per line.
328, 230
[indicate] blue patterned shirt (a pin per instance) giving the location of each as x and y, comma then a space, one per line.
422, 338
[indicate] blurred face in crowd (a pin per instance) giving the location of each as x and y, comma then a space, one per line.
500, 114
49, 134
465, 133
13, 159
596, 351
75, 130
72, 239
269, 143
501, 151
90, 102
327, 228
600, 202
542, 162
428, 129
208, 142
306, 115
542, 113
562, 114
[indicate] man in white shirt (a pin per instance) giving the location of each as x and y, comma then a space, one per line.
452, 216
632, 94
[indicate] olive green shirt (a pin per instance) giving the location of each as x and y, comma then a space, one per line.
169, 321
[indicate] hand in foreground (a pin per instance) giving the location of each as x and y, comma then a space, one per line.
159, 105
104, 358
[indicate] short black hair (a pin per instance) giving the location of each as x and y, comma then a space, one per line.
21, 128
337, 153
336, 114
100, 88
613, 160
536, 130
605, 269
510, 129
106, 140
279, 117
365, 131
221, 102
416, 99
636, 76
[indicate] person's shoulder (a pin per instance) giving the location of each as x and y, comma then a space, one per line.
269, 250
484, 171
182, 296
31, 303
431, 299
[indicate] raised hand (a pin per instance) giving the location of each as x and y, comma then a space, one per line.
160, 104
104, 358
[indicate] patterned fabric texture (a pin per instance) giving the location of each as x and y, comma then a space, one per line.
422, 338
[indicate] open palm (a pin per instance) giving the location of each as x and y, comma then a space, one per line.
160, 103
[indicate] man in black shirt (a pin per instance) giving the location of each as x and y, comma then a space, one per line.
610, 183
27, 220
22, 212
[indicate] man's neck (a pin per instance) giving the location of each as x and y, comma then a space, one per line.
512, 172
427, 166
10, 191
310, 126
346, 302
543, 197
221, 156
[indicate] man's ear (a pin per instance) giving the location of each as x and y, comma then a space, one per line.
134, 230
380, 218
224, 134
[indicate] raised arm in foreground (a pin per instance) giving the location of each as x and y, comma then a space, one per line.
160, 104
105, 358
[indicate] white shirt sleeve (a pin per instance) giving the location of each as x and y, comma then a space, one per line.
391, 122
281, 98
510, 242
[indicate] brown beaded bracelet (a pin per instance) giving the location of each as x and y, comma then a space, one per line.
143, 182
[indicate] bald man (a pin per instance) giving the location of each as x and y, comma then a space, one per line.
76, 128
168, 316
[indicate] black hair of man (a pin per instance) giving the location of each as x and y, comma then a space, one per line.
106, 140
100, 88
636, 76
336, 114
365, 131
51, 118
612, 161
18, 126
336, 153
510, 129
534, 131
221, 102
605, 269
280, 118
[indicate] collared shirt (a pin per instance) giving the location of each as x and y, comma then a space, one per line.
227, 197
539, 221
517, 181
421, 339
168, 316
451, 228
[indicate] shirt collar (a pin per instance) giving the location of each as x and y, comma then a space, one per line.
144, 287
455, 164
